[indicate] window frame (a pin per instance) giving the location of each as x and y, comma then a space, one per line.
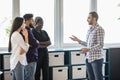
58, 24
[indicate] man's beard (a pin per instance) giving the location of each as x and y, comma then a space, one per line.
90, 23
31, 26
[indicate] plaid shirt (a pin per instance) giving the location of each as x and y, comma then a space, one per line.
95, 42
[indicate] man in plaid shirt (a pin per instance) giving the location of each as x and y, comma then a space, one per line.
93, 48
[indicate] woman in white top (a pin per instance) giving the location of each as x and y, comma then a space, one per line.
18, 46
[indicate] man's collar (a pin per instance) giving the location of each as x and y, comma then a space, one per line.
27, 27
92, 27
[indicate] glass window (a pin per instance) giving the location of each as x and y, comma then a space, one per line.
75, 13
5, 21
108, 19
43, 8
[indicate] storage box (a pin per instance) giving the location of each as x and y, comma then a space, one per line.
56, 59
78, 72
7, 75
103, 70
104, 53
77, 58
6, 61
60, 73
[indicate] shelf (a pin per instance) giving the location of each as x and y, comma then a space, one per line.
68, 57
67, 63
5, 69
79, 79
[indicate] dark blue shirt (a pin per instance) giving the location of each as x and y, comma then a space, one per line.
32, 54
41, 36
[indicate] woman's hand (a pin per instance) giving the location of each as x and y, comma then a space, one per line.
22, 51
25, 33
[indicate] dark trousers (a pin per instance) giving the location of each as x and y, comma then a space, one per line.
42, 64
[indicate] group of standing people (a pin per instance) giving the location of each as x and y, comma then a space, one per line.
30, 54
28, 44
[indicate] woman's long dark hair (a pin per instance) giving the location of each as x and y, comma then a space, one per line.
18, 21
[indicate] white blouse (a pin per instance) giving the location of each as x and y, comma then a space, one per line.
17, 42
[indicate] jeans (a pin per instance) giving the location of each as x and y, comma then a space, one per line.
18, 72
30, 71
94, 69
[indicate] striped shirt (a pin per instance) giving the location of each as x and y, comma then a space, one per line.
95, 42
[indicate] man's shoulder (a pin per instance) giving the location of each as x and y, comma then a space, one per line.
43, 31
99, 27
33, 30
27, 28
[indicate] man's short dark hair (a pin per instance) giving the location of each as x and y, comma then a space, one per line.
28, 16
94, 15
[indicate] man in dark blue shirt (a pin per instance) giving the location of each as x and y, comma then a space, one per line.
43, 58
32, 53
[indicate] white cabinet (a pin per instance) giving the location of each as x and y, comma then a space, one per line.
7, 62
56, 59
104, 54
60, 73
78, 72
77, 57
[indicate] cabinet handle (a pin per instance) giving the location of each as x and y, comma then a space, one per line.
77, 54
56, 55
79, 68
60, 70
